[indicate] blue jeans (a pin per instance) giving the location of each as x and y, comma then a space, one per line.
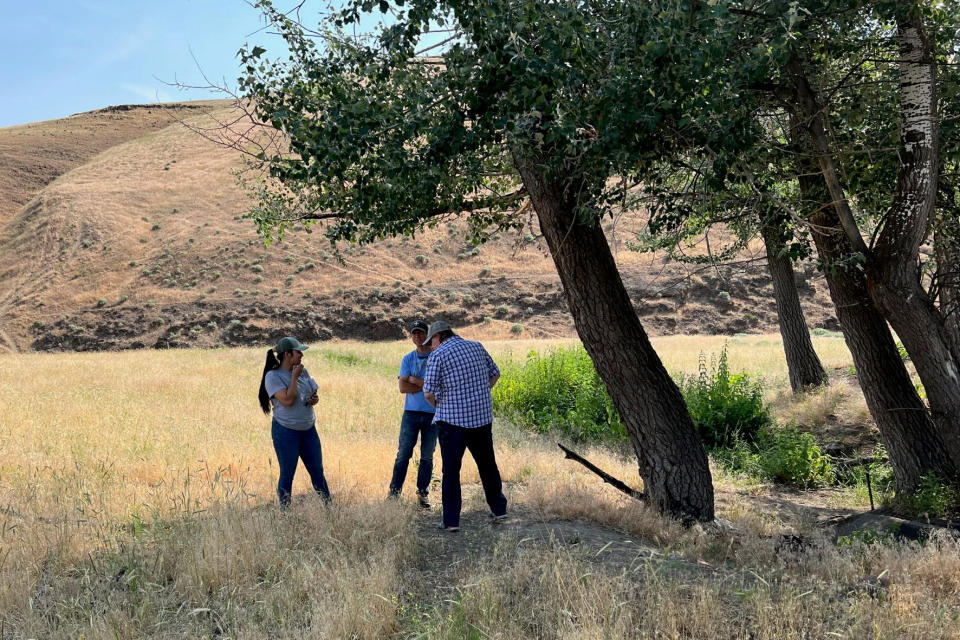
414, 424
292, 445
454, 441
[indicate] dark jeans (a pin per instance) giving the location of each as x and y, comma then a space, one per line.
292, 445
414, 424
454, 441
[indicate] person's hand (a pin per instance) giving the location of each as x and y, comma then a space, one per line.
296, 371
314, 399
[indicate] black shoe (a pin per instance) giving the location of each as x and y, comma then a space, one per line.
393, 495
422, 500
443, 527
498, 519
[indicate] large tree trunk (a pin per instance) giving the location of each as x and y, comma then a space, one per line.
803, 364
672, 461
893, 277
892, 280
912, 440
946, 244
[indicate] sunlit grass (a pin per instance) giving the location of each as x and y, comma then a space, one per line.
137, 498
147, 430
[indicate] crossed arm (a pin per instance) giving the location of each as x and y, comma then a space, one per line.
410, 384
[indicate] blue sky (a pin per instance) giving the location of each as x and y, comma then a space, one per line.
64, 57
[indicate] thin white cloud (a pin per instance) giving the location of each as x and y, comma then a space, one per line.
126, 46
147, 94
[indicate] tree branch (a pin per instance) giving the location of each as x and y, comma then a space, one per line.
609, 479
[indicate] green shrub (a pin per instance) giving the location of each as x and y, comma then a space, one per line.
794, 457
725, 407
784, 456
934, 498
517, 328
559, 391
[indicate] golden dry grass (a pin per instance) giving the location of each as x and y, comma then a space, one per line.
137, 500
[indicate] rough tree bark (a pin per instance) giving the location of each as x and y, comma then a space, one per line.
803, 364
893, 277
671, 458
892, 280
946, 244
913, 442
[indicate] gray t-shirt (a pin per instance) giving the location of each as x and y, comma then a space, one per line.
300, 416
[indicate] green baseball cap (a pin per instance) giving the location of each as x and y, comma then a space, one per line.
289, 344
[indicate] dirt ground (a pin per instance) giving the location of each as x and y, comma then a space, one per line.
445, 556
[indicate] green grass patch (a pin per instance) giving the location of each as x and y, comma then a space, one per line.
558, 391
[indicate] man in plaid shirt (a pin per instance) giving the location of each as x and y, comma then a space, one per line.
458, 379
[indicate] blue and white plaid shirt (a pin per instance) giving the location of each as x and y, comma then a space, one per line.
458, 374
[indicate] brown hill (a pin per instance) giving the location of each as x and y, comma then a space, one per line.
121, 228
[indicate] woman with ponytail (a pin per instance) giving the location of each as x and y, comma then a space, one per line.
291, 393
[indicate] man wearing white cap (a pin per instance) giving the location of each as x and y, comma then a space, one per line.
458, 379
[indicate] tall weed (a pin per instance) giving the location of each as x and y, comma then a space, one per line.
725, 407
794, 457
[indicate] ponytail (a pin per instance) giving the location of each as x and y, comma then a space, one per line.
271, 364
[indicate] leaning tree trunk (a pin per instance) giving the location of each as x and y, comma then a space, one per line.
893, 277
672, 461
912, 440
892, 281
803, 364
946, 243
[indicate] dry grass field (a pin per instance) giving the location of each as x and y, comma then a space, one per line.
137, 500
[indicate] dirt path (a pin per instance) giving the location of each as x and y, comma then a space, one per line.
448, 559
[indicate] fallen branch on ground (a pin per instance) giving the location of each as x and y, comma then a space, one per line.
609, 479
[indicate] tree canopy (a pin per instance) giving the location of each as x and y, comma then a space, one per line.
714, 107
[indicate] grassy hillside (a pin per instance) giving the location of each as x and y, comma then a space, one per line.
133, 236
